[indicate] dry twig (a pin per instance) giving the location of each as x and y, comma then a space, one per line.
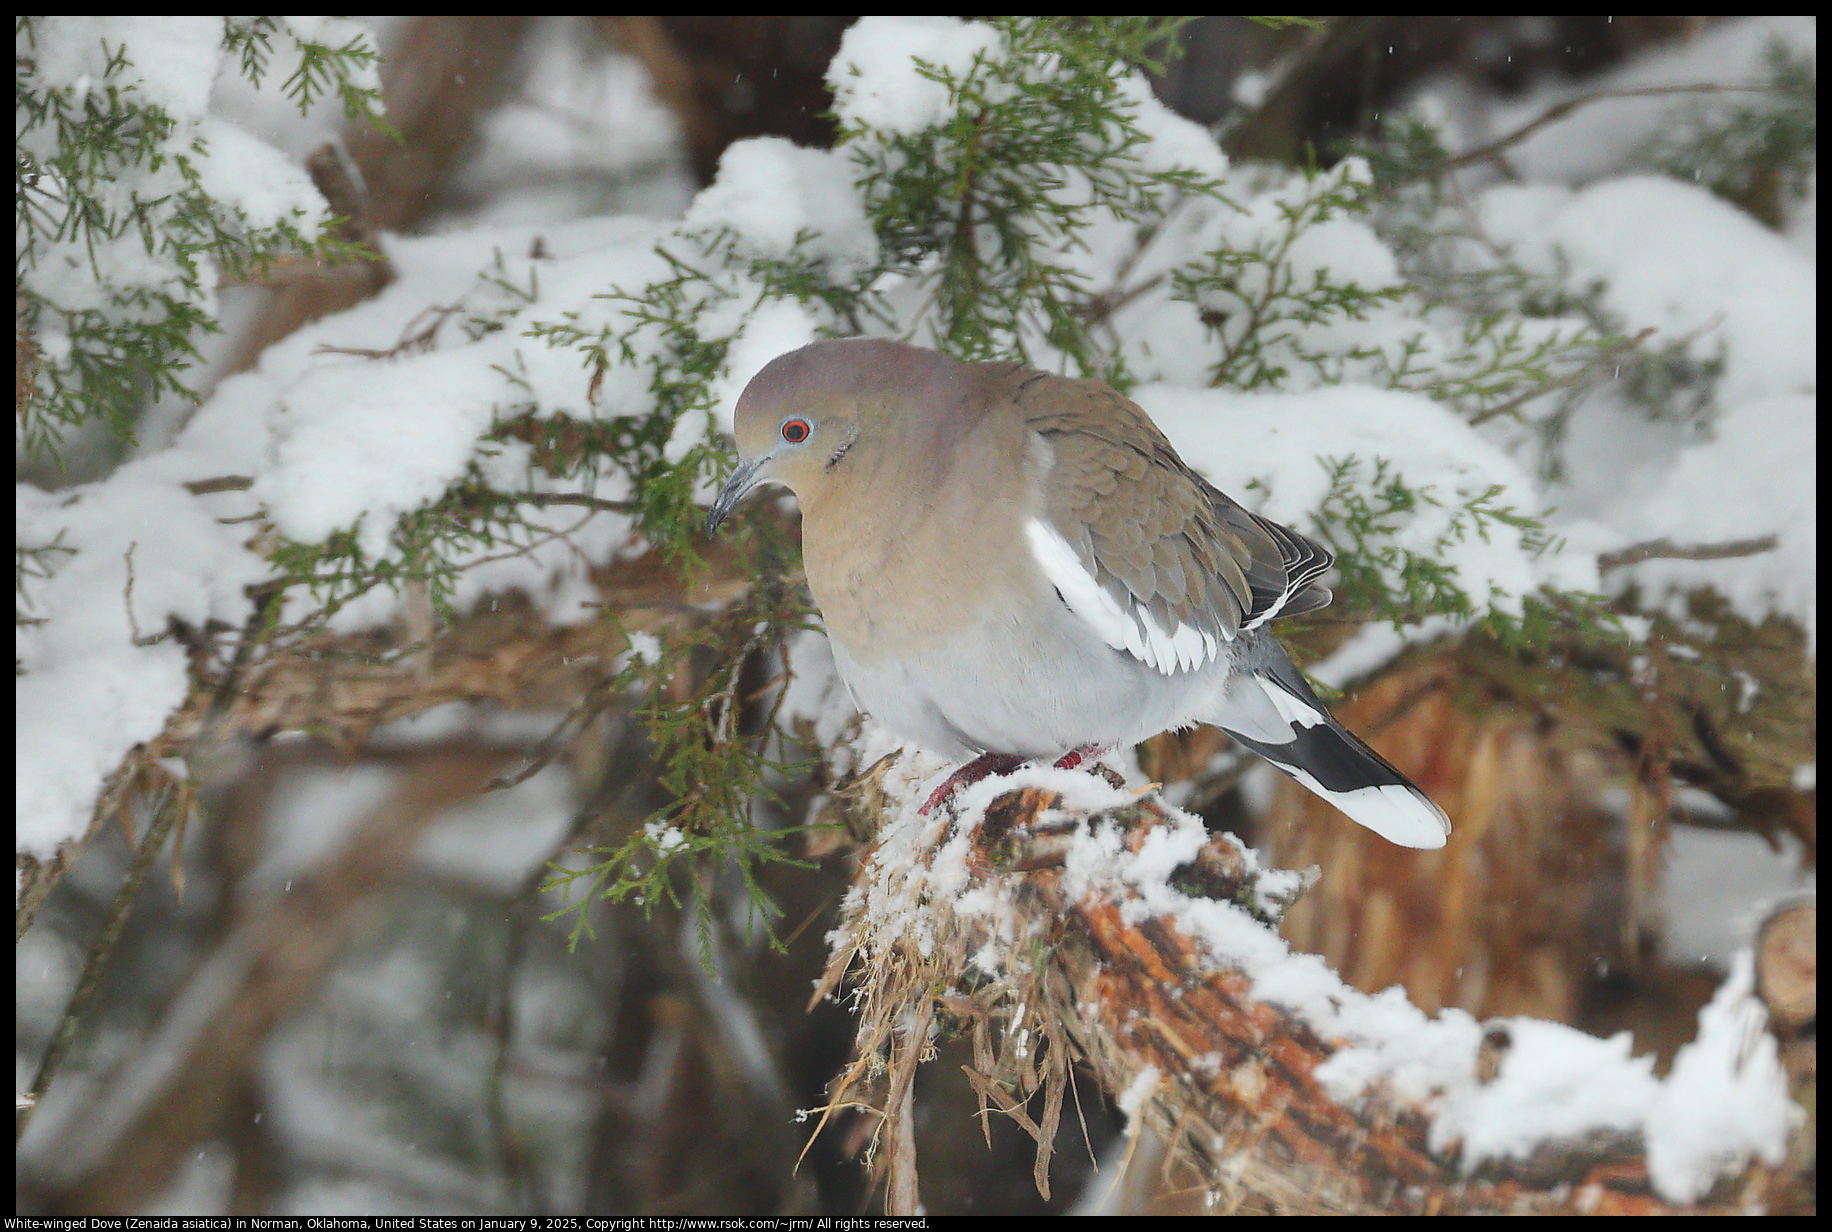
1666, 549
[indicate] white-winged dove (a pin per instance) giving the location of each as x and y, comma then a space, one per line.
1014, 565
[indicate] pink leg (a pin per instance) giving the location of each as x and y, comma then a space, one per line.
984, 766
1086, 755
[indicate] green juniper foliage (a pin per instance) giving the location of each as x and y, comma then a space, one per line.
986, 206
980, 214
1253, 298
1533, 346
119, 236
1514, 335
1757, 151
714, 765
1368, 506
1275, 323
662, 330
1546, 337
473, 519
1030, 220
1529, 346
710, 760
323, 68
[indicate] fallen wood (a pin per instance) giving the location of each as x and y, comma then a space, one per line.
1065, 923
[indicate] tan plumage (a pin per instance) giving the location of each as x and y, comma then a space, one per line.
1153, 530
1015, 564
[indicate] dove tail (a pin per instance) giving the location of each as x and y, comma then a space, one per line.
1268, 708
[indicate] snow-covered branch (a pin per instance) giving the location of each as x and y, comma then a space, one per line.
1061, 921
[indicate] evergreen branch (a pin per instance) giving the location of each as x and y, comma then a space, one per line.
1570, 380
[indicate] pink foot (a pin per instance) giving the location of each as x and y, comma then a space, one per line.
984, 766
1086, 755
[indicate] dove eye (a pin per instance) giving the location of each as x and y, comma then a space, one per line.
795, 431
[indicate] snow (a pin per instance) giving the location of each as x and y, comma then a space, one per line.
1724, 1102
774, 329
871, 78
173, 61
1372, 647
772, 193
584, 135
1161, 339
1138, 1093
265, 185
1172, 142
1717, 888
815, 691
171, 64
1741, 288
666, 838
1263, 448
86, 693
1746, 481
1596, 140
338, 442
264, 109
332, 442
1742, 295
364, 441
1554, 1083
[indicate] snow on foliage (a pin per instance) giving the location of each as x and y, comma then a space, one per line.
1734, 300
134, 198
872, 79
1259, 315
1271, 281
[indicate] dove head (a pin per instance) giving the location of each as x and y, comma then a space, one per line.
836, 419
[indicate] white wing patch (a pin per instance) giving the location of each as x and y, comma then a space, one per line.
1291, 708
1278, 605
1184, 648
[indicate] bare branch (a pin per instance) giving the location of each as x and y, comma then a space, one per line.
545, 499
219, 483
1666, 549
343, 686
171, 804
1558, 111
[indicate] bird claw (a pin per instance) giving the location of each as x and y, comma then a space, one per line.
985, 766
1086, 755
990, 765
